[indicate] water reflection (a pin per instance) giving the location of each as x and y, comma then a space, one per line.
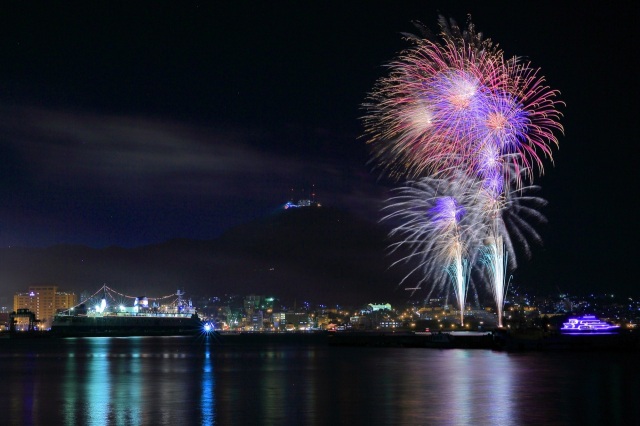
166, 381
459, 387
98, 383
501, 389
480, 388
277, 385
102, 381
273, 380
70, 389
207, 396
22, 397
127, 381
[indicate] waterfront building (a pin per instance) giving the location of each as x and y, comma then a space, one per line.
22, 320
256, 321
360, 322
291, 320
390, 324
251, 303
44, 301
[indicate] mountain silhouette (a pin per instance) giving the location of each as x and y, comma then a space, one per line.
317, 254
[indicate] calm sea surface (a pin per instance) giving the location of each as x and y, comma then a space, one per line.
187, 381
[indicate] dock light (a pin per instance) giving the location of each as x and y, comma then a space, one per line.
208, 328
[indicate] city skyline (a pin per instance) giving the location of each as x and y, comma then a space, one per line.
131, 126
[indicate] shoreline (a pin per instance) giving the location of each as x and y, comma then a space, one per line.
501, 340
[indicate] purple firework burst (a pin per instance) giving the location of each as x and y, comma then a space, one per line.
444, 101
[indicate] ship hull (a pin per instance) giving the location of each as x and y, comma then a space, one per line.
80, 326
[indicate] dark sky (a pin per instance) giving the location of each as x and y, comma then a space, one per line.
129, 125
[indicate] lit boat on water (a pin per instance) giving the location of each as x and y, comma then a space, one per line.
142, 319
587, 324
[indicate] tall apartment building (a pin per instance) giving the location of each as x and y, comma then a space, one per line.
44, 301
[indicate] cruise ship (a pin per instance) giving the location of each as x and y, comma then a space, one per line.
141, 319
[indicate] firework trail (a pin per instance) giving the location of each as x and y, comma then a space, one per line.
459, 273
439, 226
493, 256
509, 217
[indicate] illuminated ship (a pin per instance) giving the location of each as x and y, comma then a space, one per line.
171, 319
587, 324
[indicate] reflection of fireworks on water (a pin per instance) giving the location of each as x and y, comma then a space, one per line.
438, 224
457, 116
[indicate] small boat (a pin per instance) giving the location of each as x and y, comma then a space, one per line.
587, 324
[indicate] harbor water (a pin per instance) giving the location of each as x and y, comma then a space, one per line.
205, 381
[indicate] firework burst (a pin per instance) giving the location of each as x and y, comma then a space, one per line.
444, 102
470, 129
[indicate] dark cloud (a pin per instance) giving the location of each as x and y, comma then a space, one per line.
110, 152
183, 171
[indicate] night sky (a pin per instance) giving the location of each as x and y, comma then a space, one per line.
128, 126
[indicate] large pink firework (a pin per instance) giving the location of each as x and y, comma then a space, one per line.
445, 104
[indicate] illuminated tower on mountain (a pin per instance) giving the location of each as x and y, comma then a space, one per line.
305, 200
